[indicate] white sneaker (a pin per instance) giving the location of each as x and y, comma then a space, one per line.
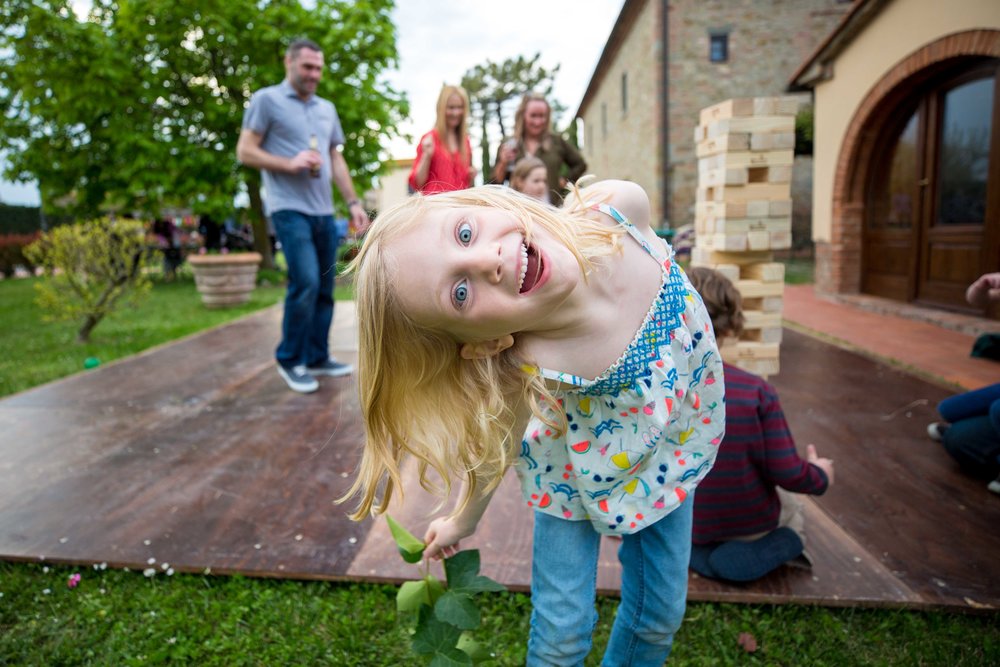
994, 486
298, 379
936, 431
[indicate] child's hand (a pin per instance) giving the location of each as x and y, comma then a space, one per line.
442, 537
826, 465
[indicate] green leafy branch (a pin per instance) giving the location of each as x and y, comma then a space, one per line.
446, 614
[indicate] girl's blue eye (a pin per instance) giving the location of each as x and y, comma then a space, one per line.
465, 233
460, 294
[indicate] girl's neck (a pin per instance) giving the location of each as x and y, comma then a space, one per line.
452, 140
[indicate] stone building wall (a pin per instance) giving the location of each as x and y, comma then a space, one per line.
767, 40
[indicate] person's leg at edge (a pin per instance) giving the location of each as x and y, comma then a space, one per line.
975, 403
295, 233
563, 590
654, 590
325, 240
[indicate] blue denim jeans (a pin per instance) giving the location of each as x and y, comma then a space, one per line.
973, 437
564, 584
309, 243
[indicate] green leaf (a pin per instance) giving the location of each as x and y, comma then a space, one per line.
410, 547
462, 572
457, 609
473, 649
452, 657
435, 589
412, 595
432, 635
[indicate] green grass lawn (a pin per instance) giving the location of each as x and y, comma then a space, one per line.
36, 351
125, 618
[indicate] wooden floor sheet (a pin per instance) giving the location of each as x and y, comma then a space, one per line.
195, 456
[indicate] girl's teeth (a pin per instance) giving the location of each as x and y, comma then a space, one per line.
524, 266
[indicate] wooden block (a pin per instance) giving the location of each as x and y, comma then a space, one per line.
740, 106
759, 208
759, 319
737, 176
778, 173
768, 272
749, 350
765, 304
753, 125
771, 335
752, 192
772, 141
785, 106
781, 240
722, 242
761, 367
732, 159
712, 258
750, 289
730, 271
722, 144
749, 106
708, 224
758, 239
779, 208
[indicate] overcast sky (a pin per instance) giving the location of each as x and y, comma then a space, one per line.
439, 40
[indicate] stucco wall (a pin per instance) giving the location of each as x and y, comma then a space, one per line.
901, 28
625, 142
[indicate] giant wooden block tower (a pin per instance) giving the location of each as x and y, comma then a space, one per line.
743, 211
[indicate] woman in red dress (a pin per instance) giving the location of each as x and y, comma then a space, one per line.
444, 155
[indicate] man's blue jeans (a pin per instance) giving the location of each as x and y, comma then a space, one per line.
309, 243
564, 583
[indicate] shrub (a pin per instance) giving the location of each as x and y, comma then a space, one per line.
101, 266
12, 251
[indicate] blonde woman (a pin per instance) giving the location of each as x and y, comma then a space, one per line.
444, 155
533, 137
456, 348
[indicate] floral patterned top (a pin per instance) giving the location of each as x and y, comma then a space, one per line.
644, 433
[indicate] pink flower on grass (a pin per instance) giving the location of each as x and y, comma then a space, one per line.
74, 580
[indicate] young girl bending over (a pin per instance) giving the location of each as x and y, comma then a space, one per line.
456, 348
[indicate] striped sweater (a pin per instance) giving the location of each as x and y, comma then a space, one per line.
738, 496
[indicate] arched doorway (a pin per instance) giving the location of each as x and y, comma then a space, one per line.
931, 221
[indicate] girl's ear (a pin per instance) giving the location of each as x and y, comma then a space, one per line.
487, 348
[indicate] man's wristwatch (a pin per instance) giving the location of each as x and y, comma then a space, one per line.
353, 202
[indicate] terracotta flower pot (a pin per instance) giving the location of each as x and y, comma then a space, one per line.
225, 280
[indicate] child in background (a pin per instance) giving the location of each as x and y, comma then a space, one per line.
455, 348
745, 523
530, 177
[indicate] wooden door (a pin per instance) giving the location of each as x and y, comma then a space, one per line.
933, 211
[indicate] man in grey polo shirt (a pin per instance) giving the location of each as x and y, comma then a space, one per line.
293, 137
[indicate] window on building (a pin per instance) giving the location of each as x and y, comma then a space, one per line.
718, 47
604, 120
624, 92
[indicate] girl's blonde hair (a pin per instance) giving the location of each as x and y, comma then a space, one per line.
723, 301
531, 96
418, 396
523, 169
442, 119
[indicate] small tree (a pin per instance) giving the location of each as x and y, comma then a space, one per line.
93, 267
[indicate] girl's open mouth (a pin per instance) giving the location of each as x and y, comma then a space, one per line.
531, 268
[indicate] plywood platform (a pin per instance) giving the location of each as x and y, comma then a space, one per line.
197, 456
